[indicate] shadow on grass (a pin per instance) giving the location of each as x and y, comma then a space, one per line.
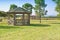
7, 27
55, 23
33, 25
39, 25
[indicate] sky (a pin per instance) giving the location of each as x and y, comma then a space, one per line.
5, 5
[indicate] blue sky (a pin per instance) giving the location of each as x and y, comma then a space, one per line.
5, 4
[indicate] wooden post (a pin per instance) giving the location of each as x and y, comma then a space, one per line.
28, 19
8, 18
23, 20
14, 19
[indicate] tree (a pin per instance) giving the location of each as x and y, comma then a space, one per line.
36, 10
41, 9
13, 6
57, 5
28, 7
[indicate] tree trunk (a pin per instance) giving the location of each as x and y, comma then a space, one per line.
40, 18
40, 13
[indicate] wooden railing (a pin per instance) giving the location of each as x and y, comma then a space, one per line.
21, 22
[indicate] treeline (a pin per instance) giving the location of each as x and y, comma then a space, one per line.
3, 14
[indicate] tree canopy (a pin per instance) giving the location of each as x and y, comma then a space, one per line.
40, 5
13, 6
57, 5
28, 7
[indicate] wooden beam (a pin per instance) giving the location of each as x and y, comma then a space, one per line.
14, 19
19, 12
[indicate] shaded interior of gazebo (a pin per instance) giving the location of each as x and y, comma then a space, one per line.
19, 18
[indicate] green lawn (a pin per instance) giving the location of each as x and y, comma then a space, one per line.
47, 30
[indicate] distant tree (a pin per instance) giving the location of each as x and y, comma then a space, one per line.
3, 14
28, 7
41, 7
13, 6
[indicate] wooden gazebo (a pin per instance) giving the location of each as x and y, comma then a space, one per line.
23, 14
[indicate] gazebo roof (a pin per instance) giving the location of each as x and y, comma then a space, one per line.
18, 9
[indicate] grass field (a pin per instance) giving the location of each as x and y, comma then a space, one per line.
47, 30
